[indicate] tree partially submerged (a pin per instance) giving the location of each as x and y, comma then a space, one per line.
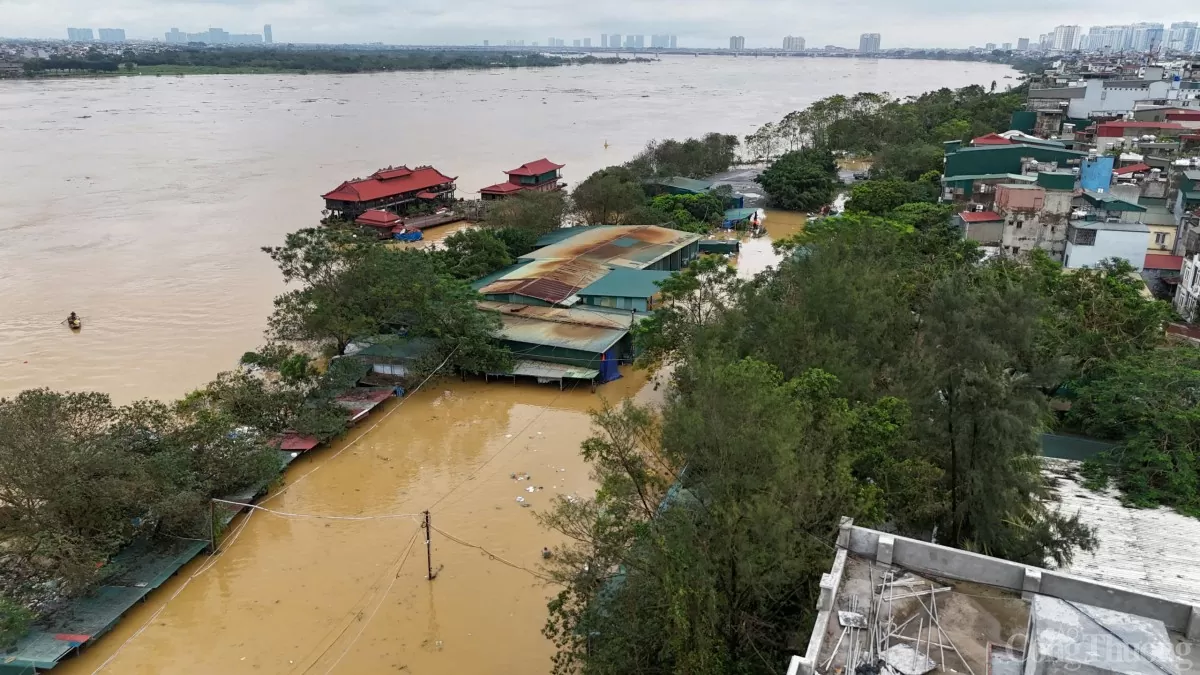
801, 180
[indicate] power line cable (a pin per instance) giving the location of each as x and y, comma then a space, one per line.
493, 556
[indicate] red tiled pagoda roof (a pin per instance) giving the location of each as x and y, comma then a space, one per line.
377, 218
537, 168
389, 183
502, 188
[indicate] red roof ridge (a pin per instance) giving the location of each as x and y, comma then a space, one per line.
1132, 168
535, 168
979, 216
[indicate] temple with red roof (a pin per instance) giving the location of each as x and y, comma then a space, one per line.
540, 176
392, 189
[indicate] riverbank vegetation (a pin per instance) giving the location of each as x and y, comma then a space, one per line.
198, 60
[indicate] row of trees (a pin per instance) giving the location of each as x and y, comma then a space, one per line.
300, 60
885, 372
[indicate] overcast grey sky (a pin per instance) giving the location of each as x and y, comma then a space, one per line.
903, 23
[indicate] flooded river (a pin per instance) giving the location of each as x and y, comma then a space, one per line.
141, 202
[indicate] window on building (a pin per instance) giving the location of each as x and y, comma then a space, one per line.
1160, 238
1081, 237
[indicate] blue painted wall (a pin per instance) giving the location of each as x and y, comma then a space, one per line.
1096, 173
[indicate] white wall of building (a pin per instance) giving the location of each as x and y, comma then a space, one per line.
1099, 98
1129, 244
1187, 296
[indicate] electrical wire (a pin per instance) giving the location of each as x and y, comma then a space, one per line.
502, 448
493, 556
285, 514
386, 592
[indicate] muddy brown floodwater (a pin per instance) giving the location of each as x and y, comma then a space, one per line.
141, 202
290, 595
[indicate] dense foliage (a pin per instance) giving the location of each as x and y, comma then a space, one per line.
908, 375
801, 180
349, 288
82, 477
690, 158
304, 60
1150, 403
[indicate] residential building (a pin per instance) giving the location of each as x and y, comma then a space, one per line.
587, 43
674, 42
1036, 215
112, 34
639, 41
614, 40
1091, 242
267, 36
1147, 37
793, 44
79, 34
1187, 205
1124, 133
540, 176
577, 43
1022, 44
1007, 46
868, 43
176, 37
1182, 37
1187, 294
660, 41
1065, 38
1108, 96
991, 47
395, 189
737, 43
604, 40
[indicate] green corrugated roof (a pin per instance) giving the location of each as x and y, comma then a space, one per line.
739, 214
681, 183
626, 283
1192, 196
989, 176
1192, 175
994, 148
1111, 203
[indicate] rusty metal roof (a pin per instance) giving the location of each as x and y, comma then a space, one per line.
636, 246
552, 280
597, 318
534, 331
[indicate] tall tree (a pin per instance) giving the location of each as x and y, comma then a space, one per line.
802, 180
608, 197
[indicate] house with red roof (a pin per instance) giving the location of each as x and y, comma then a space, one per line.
540, 176
1122, 133
397, 189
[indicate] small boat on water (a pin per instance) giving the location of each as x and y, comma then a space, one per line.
74, 324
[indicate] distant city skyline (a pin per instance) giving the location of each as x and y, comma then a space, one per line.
700, 23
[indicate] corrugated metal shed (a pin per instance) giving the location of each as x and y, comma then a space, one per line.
1056, 180
992, 159
684, 185
584, 317
636, 247
553, 371
1110, 203
573, 336
1150, 550
564, 233
625, 283
551, 280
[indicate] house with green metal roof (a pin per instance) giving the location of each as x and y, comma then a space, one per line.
625, 289
1188, 199
678, 185
994, 159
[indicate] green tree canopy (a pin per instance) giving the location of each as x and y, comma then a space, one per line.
608, 197
801, 180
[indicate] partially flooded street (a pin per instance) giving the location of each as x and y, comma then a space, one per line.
290, 595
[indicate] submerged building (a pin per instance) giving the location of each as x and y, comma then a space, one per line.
540, 176
567, 308
393, 189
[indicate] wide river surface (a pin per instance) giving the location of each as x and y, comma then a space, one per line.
141, 203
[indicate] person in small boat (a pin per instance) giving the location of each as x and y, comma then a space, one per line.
72, 319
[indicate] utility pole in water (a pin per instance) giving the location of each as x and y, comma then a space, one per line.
428, 547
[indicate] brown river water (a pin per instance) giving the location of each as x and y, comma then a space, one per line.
141, 203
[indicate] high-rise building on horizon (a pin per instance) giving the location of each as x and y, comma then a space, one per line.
614, 40
1065, 38
1007, 46
1022, 44
112, 34
1147, 37
674, 42
267, 36
868, 43
604, 40
990, 46
793, 44
587, 42
79, 34
737, 43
